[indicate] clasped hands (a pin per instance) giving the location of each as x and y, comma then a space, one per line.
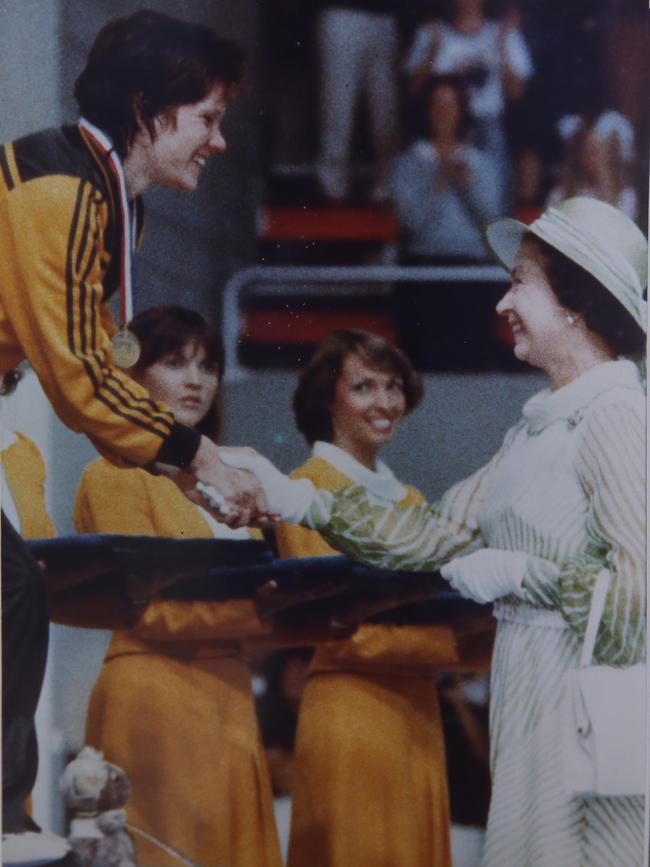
241, 488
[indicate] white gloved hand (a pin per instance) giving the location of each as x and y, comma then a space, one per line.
287, 498
487, 574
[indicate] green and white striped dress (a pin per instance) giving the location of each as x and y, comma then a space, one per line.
568, 488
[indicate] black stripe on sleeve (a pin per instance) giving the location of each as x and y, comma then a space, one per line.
69, 270
116, 396
4, 168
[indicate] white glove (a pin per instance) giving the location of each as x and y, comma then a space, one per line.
289, 499
487, 574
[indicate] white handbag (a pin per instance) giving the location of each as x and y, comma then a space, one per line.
605, 736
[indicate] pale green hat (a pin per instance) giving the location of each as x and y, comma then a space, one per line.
593, 234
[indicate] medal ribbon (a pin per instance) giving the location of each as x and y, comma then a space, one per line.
106, 148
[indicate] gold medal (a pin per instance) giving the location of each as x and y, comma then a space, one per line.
126, 348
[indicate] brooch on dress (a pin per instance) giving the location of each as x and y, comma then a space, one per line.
574, 419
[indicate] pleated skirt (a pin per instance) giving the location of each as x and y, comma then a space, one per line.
185, 731
370, 785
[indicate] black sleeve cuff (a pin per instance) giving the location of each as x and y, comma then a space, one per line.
180, 447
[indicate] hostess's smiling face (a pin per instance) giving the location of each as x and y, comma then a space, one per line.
368, 404
185, 139
185, 381
536, 317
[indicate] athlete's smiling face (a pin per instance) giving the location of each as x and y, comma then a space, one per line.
185, 138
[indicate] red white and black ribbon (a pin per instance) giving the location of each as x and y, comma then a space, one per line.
102, 142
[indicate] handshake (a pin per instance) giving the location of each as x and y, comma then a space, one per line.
244, 489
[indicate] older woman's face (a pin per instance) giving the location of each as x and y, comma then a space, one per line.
368, 404
536, 317
185, 381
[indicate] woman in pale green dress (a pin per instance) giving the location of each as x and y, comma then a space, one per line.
562, 499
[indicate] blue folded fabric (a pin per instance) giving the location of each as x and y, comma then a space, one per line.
309, 589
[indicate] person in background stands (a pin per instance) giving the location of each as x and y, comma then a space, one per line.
494, 60
357, 46
598, 155
444, 189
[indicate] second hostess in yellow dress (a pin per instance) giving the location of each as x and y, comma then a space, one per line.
370, 787
173, 703
24, 472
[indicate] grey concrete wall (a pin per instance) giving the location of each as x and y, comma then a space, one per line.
30, 58
456, 429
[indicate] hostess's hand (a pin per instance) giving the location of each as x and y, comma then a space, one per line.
287, 498
487, 574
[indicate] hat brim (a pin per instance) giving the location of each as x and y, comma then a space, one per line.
504, 238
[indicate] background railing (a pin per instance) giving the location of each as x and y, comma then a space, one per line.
311, 279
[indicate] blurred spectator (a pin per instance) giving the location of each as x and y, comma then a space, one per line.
494, 60
443, 188
529, 186
598, 156
285, 675
289, 114
358, 44
22, 473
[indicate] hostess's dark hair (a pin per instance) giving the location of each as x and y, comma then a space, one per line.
167, 329
144, 64
317, 381
580, 292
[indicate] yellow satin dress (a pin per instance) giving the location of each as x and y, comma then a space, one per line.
370, 787
173, 703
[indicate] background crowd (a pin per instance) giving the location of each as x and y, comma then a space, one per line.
531, 111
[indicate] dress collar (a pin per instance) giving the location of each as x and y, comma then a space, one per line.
548, 406
381, 482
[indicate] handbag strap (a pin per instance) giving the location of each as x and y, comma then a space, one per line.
596, 612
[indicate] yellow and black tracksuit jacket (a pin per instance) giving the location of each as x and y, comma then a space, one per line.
60, 243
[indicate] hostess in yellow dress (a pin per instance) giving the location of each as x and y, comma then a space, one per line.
173, 703
24, 494
370, 786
